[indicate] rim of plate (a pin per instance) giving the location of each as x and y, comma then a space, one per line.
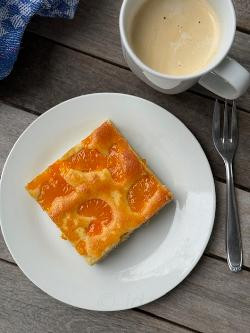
210, 175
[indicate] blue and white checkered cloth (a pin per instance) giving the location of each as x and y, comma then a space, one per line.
14, 17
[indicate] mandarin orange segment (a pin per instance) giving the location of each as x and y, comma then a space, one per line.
99, 211
52, 185
114, 163
122, 163
87, 160
105, 136
55, 187
100, 193
141, 192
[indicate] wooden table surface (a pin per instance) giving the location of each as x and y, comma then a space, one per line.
61, 59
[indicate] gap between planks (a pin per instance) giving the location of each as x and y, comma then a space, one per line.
152, 315
243, 30
91, 55
209, 255
144, 312
241, 187
214, 256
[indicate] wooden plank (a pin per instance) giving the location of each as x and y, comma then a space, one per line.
95, 27
216, 244
243, 13
212, 299
14, 121
25, 308
47, 74
95, 31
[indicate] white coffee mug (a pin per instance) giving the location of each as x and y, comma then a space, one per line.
223, 75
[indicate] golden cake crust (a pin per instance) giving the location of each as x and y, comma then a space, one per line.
99, 192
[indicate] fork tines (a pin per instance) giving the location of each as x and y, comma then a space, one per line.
229, 131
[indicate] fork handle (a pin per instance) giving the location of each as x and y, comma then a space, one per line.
233, 237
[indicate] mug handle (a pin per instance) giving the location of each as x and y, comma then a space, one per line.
228, 80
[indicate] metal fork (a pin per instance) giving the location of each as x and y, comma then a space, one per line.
226, 144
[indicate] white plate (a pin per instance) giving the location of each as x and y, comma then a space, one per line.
158, 256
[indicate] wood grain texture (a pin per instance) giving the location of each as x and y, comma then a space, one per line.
243, 13
210, 300
95, 31
14, 121
47, 74
25, 308
216, 244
